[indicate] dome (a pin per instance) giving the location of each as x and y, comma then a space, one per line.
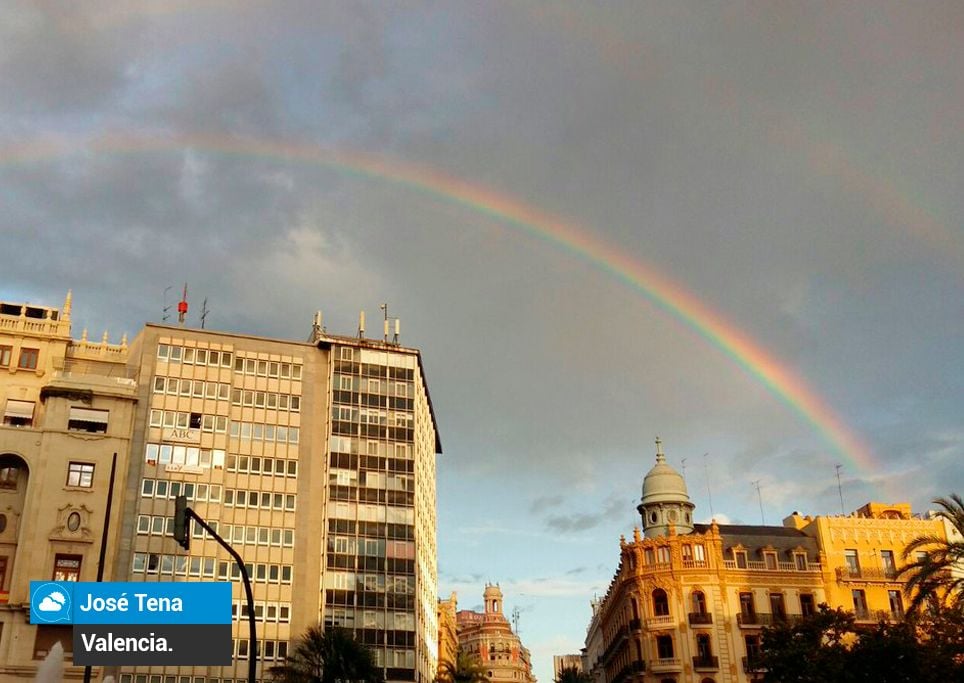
663, 484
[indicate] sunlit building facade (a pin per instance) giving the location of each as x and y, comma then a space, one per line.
488, 638
689, 601
316, 460
67, 407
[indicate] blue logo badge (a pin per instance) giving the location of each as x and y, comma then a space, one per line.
50, 602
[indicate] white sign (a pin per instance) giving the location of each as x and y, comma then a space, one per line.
186, 469
178, 435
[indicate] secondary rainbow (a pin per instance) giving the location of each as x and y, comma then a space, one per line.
665, 294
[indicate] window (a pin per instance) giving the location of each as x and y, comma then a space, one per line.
770, 560
9, 475
28, 359
746, 605
660, 603
18, 413
86, 420
740, 558
80, 474
860, 603
777, 607
807, 607
853, 564
664, 647
800, 561
896, 603
67, 568
3, 572
699, 602
5, 352
887, 563
703, 646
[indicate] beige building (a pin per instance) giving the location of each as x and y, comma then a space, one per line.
487, 637
67, 410
316, 460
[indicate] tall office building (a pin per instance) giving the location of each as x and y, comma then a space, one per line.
316, 460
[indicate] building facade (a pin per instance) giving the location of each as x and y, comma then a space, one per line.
488, 638
689, 601
316, 461
68, 407
448, 635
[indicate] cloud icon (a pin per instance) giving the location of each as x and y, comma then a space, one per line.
52, 603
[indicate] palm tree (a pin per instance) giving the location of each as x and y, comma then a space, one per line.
571, 674
328, 655
932, 576
465, 669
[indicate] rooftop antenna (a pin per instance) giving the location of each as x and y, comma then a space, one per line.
398, 324
204, 311
361, 324
182, 307
756, 485
683, 466
839, 488
709, 494
384, 308
167, 306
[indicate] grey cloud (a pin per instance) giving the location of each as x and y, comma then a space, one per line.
614, 508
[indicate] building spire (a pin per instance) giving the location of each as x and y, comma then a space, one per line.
67, 304
660, 458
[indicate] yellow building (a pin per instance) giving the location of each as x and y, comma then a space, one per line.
488, 638
689, 601
448, 636
863, 554
67, 410
316, 460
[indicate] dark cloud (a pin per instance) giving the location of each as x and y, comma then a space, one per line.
543, 503
614, 508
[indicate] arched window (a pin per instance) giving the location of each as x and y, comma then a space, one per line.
703, 649
13, 471
660, 603
699, 602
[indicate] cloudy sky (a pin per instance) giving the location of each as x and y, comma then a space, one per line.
534, 188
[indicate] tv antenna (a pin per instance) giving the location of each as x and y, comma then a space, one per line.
167, 306
709, 494
839, 488
398, 324
756, 485
204, 311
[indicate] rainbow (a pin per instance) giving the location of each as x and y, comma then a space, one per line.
662, 292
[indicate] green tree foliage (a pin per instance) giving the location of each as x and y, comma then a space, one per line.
329, 655
828, 647
465, 669
931, 578
570, 674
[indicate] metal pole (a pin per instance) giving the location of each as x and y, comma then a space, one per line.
253, 654
103, 541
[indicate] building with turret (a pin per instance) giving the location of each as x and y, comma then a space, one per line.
67, 407
689, 601
488, 638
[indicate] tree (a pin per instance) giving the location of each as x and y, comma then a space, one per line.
812, 650
571, 674
328, 655
931, 577
465, 669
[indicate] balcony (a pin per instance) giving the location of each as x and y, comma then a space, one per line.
660, 622
707, 663
866, 616
756, 566
845, 574
752, 665
630, 670
666, 665
765, 619
618, 638
700, 618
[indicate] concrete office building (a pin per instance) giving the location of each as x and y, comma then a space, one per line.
67, 407
316, 460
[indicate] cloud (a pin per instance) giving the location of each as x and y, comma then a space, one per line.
543, 503
614, 508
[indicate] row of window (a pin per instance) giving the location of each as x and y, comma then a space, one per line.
27, 360
266, 399
182, 565
370, 583
266, 368
373, 480
192, 387
171, 419
373, 386
157, 678
279, 612
372, 416
255, 431
371, 547
181, 354
369, 618
364, 512
269, 650
20, 414
167, 454
257, 465
258, 535
243, 498
163, 488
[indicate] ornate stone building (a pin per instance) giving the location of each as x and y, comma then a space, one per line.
488, 638
67, 408
689, 601
448, 635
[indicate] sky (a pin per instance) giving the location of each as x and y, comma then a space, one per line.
737, 226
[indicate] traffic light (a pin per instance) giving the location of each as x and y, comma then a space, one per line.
182, 523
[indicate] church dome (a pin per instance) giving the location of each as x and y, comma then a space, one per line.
663, 484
